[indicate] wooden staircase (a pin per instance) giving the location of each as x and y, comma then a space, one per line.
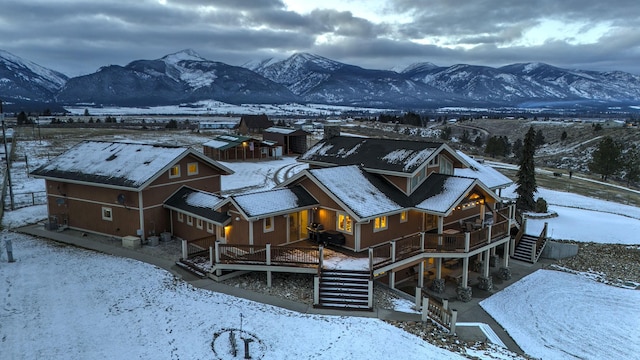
345, 290
524, 249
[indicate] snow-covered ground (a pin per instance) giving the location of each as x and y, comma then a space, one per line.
556, 315
109, 307
113, 308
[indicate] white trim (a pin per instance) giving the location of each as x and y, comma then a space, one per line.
381, 228
210, 227
176, 166
189, 220
346, 216
271, 226
189, 172
109, 213
199, 223
180, 216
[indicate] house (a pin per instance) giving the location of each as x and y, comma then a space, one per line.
238, 147
293, 141
405, 204
118, 189
253, 124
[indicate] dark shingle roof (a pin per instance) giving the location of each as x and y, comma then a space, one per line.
199, 203
370, 153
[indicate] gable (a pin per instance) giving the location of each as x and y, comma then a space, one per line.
199, 203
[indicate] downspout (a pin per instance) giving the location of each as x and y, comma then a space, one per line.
141, 211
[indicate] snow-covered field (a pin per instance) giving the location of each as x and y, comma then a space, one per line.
556, 315
113, 308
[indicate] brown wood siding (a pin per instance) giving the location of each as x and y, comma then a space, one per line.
328, 218
320, 195
237, 232
433, 169
395, 229
190, 232
400, 182
276, 237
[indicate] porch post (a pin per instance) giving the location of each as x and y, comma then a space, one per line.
141, 213
506, 253
392, 279
439, 260
439, 268
485, 264
268, 254
421, 276
217, 255
482, 210
465, 272
185, 253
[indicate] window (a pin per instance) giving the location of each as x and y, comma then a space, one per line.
434, 161
267, 224
380, 223
189, 220
210, 227
180, 217
404, 216
199, 223
107, 214
345, 223
174, 172
192, 168
446, 167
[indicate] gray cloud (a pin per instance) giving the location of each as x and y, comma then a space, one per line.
78, 37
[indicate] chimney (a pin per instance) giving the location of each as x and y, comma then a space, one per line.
331, 130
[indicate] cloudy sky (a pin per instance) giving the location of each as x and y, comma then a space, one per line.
77, 37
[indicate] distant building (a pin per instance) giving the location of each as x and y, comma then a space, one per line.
293, 141
253, 124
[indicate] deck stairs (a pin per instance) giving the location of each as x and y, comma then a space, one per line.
525, 247
345, 289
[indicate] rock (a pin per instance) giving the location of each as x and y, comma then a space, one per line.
464, 294
486, 283
437, 286
504, 273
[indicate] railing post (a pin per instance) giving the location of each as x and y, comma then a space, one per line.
321, 257
370, 294
445, 304
185, 252
418, 297
454, 319
512, 246
211, 256
425, 309
393, 251
268, 253
316, 290
370, 259
467, 240
422, 241
217, 252
533, 253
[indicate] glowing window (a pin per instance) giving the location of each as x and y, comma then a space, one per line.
380, 223
192, 168
268, 224
174, 172
345, 223
404, 216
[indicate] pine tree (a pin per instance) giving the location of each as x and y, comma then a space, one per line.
606, 159
526, 182
539, 139
631, 164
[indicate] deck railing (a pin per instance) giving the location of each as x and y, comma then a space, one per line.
266, 254
199, 246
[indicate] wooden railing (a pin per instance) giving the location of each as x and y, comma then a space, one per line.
500, 230
537, 249
439, 312
199, 246
266, 254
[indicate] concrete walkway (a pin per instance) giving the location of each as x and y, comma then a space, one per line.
469, 312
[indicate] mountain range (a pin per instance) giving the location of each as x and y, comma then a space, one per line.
185, 77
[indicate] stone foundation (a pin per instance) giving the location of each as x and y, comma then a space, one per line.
494, 260
437, 286
504, 273
486, 283
464, 294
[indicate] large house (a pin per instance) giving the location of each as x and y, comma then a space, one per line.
118, 189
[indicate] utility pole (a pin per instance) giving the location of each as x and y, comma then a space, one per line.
6, 156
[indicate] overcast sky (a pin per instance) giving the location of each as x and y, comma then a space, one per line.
77, 37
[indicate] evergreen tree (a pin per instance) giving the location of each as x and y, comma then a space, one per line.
478, 141
445, 134
526, 176
539, 139
564, 135
606, 159
22, 118
465, 139
631, 164
517, 148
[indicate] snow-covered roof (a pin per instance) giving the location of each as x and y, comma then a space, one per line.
280, 130
356, 190
372, 154
199, 203
447, 191
116, 164
275, 201
489, 176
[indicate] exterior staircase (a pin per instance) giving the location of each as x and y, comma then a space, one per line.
345, 290
524, 249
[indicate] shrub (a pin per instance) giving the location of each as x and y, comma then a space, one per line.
541, 205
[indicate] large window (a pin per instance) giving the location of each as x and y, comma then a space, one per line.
107, 214
267, 224
380, 223
345, 223
446, 166
192, 168
174, 172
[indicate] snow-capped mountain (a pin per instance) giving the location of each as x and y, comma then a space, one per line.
186, 77
318, 79
22, 81
181, 77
